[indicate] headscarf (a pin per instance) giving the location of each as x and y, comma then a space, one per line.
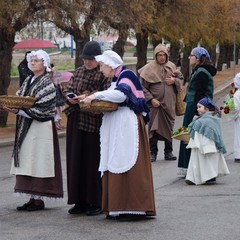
110, 58
200, 51
208, 103
40, 54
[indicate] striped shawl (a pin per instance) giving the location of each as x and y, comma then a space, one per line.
43, 89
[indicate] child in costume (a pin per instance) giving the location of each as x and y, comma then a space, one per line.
207, 147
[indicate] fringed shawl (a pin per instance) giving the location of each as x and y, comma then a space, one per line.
129, 83
209, 126
43, 89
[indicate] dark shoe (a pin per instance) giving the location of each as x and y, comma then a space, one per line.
189, 182
25, 205
170, 157
153, 157
36, 207
111, 217
212, 180
77, 209
237, 160
92, 211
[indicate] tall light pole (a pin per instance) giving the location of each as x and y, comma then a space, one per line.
71, 48
234, 50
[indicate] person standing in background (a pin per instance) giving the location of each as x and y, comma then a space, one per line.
200, 86
23, 69
60, 99
83, 137
161, 81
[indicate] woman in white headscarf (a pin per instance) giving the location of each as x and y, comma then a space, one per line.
125, 157
36, 157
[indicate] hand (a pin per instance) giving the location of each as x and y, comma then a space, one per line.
80, 97
169, 80
155, 103
88, 99
11, 110
73, 101
76, 99
195, 117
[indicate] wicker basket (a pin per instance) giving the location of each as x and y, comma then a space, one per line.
99, 106
16, 101
184, 136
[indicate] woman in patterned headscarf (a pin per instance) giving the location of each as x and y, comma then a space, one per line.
36, 158
200, 86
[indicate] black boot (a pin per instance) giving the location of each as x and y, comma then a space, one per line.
170, 157
153, 157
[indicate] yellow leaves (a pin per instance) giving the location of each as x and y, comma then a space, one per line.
208, 21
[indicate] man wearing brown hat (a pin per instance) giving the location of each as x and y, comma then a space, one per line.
83, 138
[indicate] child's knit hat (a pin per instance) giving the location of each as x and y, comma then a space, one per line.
208, 103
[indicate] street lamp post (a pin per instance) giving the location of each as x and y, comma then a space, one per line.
71, 48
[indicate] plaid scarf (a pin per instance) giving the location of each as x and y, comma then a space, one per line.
42, 88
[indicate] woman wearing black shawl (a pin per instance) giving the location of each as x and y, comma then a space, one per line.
36, 158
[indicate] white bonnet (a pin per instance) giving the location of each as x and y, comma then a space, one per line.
40, 54
110, 58
237, 81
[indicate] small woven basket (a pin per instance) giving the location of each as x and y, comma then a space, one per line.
99, 106
16, 101
184, 136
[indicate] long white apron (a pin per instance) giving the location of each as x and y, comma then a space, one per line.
36, 155
119, 141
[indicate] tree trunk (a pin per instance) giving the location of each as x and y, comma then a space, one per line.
185, 68
6, 45
141, 48
226, 55
174, 55
79, 49
118, 47
81, 37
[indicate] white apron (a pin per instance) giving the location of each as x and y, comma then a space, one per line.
36, 156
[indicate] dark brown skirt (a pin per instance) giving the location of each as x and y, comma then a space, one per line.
132, 190
45, 187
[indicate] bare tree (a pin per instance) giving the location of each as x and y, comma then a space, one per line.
14, 16
76, 18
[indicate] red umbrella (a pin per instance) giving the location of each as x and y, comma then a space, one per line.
34, 44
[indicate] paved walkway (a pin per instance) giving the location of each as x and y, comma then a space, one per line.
222, 80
